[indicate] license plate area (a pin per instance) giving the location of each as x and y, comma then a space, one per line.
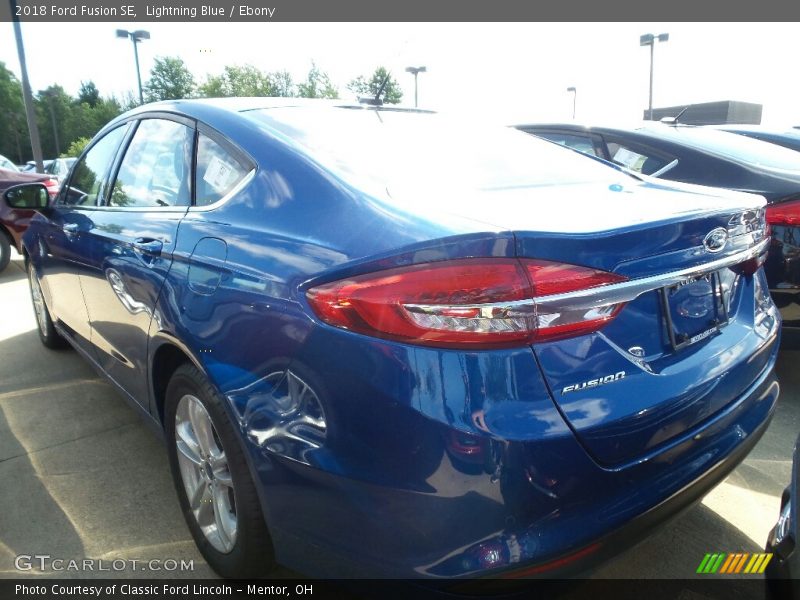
694, 310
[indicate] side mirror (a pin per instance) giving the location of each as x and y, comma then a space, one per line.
32, 196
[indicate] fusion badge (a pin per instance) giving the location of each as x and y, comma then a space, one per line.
593, 383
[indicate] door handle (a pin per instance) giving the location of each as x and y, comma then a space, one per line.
148, 246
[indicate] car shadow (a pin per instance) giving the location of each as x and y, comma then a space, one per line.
32, 520
90, 480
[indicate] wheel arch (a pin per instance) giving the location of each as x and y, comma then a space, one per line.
167, 356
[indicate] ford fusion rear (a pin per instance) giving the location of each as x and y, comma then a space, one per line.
379, 343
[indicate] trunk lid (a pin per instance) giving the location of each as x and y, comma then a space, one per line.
696, 329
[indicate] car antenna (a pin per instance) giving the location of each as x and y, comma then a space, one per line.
674, 120
376, 101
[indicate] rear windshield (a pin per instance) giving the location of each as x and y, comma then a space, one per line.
397, 149
735, 147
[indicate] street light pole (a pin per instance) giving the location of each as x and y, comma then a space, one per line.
416, 71
648, 39
136, 37
139, 74
574, 91
27, 96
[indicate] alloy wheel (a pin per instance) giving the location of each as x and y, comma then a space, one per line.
205, 473
39, 307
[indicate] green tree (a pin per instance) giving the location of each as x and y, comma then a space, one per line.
14, 140
247, 80
88, 93
317, 85
215, 86
53, 107
170, 79
77, 146
282, 84
361, 86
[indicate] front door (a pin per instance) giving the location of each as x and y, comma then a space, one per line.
132, 241
66, 249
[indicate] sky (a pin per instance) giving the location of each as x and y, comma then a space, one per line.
511, 72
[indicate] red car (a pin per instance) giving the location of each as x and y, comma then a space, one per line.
14, 221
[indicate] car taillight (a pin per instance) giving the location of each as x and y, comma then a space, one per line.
784, 213
468, 303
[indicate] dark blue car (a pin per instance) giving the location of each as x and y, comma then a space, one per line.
381, 344
788, 138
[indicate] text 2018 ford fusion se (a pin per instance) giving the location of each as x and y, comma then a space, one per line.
380, 343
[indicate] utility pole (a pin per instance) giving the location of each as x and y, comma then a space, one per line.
135, 37
416, 71
30, 113
574, 91
648, 39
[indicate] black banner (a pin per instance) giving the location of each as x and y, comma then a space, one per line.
407, 10
709, 588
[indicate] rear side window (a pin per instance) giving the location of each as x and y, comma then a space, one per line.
580, 143
636, 158
87, 178
155, 170
218, 171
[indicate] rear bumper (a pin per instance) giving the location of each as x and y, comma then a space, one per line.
640, 527
729, 438
538, 508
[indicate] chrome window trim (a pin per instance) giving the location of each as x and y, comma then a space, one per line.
234, 190
665, 168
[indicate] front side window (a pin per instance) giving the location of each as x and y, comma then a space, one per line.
155, 170
85, 185
218, 172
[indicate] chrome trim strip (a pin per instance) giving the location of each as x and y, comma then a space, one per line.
665, 168
626, 291
606, 295
234, 190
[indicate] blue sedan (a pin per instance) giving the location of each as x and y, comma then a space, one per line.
379, 343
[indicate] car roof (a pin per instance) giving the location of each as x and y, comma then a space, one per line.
204, 106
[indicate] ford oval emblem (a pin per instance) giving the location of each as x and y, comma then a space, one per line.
716, 239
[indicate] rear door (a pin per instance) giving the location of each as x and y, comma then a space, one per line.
132, 241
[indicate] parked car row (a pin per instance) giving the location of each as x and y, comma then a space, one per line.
56, 167
497, 356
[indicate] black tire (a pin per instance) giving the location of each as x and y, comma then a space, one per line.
252, 555
5, 250
47, 331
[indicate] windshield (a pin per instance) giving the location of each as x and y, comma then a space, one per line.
733, 146
399, 149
